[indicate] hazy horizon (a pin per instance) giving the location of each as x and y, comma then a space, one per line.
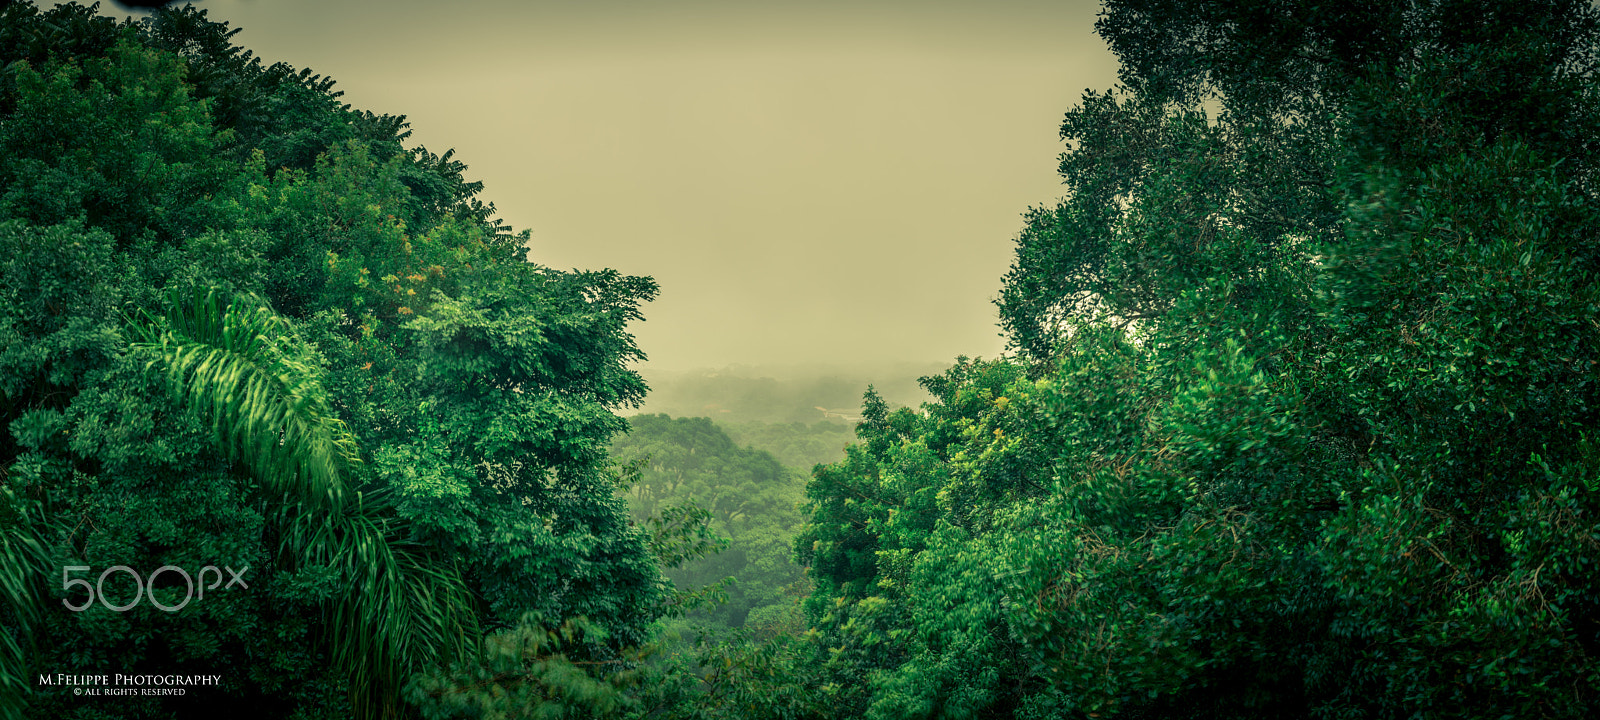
808, 183
782, 393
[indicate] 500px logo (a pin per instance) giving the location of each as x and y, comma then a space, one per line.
140, 585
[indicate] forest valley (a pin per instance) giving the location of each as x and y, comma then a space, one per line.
1298, 418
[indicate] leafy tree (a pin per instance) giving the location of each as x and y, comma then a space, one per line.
1299, 419
410, 445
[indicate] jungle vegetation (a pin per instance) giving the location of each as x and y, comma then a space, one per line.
1298, 417
752, 502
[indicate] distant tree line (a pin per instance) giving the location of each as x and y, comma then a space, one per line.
751, 499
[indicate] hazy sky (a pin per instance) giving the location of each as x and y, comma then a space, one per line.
807, 181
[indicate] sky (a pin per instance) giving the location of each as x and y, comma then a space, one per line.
809, 182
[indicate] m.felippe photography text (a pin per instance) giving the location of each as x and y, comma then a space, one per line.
119, 680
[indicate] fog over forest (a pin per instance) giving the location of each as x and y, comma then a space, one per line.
784, 394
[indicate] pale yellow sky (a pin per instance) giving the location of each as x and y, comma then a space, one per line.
807, 181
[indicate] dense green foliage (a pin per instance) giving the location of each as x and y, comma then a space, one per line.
751, 498
404, 437
236, 363
1300, 421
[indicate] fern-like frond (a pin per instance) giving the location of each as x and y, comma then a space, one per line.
406, 608
240, 364
23, 560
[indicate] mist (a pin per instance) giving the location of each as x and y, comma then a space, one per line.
808, 182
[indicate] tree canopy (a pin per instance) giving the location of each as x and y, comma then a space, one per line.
1300, 417
244, 324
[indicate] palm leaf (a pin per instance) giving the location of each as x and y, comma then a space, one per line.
22, 561
240, 365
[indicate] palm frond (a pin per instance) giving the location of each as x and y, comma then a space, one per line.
238, 363
405, 608
23, 560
